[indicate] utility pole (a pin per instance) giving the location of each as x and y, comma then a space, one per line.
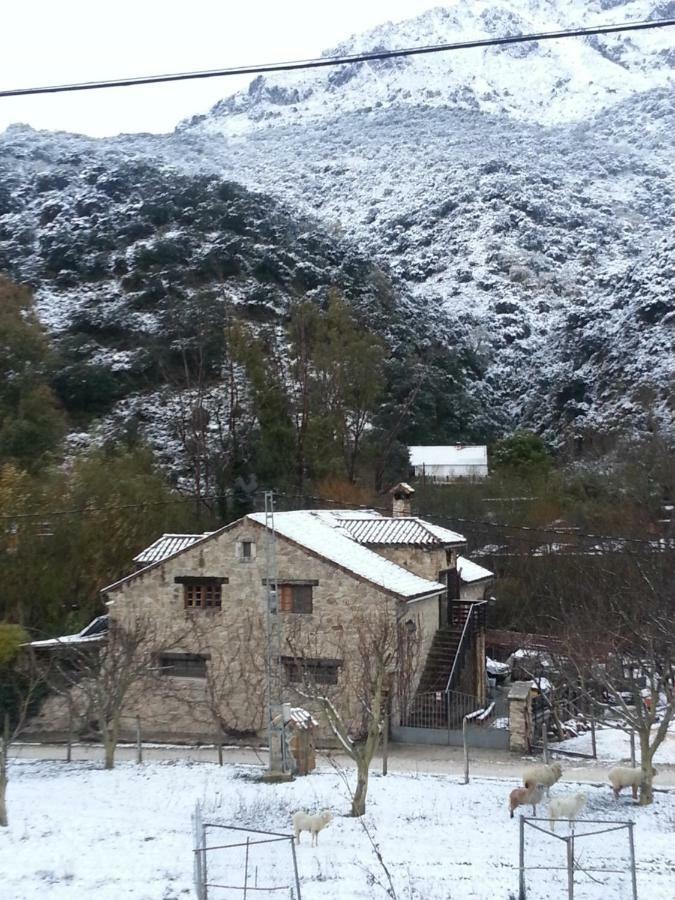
278, 766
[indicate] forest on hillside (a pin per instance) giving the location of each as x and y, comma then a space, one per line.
316, 408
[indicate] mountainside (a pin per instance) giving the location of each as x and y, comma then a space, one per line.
136, 264
515, 204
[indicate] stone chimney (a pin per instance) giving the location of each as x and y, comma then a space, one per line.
401, 499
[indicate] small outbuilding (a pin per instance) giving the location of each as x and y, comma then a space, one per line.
443, 464
300, 727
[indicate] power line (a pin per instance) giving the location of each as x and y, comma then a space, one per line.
331, 61
46, 515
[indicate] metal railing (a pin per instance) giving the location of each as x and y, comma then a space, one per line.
472, 613
440, 709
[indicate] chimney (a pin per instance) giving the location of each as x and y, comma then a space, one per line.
401, 499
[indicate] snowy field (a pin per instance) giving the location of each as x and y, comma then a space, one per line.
78, 832
613, 745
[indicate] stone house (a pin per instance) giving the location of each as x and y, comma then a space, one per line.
337, 573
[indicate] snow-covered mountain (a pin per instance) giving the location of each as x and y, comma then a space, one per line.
548, 82
520, 200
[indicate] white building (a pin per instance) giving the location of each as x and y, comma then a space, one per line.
449, 463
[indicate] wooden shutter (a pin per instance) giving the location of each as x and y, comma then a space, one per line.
285, 597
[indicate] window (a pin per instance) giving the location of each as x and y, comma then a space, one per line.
295, 598
246, 551
202, 595
182, 665
320, 671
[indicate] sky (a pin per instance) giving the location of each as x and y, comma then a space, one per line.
61, 41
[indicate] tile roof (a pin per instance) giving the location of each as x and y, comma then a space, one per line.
313, 531
95, 631
399, 530
471, 571
167, 545
343, 537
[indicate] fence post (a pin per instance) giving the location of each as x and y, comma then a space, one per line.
295, 867
521, 861
385, 743
205, 872
631, 845
69, 744
544, 740
139, 742
594, 749
570, 867
447, 710
248, 840
465, 740
219, 747
632, 748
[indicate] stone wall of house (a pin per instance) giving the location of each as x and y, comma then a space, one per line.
473, 591
234, 639
425, 562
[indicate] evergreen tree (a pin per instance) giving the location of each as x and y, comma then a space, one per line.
31, 423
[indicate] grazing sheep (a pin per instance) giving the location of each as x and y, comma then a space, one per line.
543, 774
532, 794
302, 821
623, 776
566, 808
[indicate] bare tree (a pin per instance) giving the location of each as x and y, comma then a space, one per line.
376, 655
620, 646
235, 681
21, 686
101, 679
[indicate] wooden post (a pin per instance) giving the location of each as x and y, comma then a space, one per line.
544, 739
219, 748
385, 742
465, 741
594, 747
139, 743
246, 869
69, 741
632, 749
633, 874
570, 867
521, 861
205, 865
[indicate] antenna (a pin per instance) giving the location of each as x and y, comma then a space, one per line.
278, 755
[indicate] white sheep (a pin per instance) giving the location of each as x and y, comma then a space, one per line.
542, 774
623, 776
566, 808
302, 821
532, 795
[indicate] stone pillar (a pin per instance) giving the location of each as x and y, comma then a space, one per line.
520, 716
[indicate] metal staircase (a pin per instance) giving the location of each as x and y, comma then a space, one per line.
437, 702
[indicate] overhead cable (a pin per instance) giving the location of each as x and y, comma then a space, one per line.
331, 61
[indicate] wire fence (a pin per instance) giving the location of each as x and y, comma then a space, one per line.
230, 861
576, 870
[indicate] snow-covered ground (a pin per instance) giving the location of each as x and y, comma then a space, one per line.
77, 831
613, 745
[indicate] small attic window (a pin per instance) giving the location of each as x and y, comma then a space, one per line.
246, 551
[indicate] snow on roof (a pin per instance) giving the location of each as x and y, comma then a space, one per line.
167, 545
97, 630
312, 531
454, 455
399, 530
471, 571
299, 718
